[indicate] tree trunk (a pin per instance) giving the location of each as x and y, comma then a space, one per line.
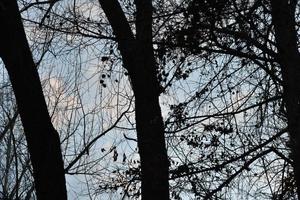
283, 14
42, 139
138, 59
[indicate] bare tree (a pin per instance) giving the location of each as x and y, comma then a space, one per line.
283, 18
43, 140
216, 70
138, 58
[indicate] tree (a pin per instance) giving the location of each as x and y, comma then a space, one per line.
221, 93
138, 59
283, 18
42, 138
247, 35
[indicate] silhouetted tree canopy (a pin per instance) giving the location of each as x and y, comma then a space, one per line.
162, 99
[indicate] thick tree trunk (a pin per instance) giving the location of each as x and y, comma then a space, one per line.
283, 14
138, 59
42, 139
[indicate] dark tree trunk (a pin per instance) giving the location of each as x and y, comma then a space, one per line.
42, 139
138, 59
283, 14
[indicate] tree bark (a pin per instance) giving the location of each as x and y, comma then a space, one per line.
42, 139
283, 18
138, 58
